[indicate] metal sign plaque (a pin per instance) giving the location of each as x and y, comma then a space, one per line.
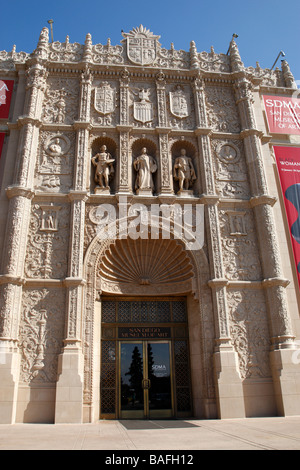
144, 332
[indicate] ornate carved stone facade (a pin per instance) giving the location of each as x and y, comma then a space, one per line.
99, 136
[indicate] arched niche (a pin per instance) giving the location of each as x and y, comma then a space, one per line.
136, 150
139, 268
112, 148
191, 152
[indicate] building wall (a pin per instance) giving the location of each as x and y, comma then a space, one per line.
242, 293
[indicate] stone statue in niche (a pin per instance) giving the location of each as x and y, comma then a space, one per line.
104, 170
184, 173
145, 166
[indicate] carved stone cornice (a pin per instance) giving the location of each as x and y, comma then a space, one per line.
25, 120
74, 282
209, 199
10, 279
249, 132
274, 282
78, 195
13, 191
263, 199
203, 131
217, 283
82, 125
124, 128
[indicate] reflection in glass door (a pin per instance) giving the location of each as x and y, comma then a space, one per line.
131, 378
159, 375
145, 380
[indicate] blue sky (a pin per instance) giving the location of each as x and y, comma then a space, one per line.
264, 26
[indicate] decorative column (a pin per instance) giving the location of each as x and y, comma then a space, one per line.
227, 378
165, 163
70, 385
124, 168
20, 195
286, 376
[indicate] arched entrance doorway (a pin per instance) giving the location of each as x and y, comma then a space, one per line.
144, 335
142, 300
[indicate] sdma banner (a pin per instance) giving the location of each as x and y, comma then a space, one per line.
288, 164
6, 90
283, 114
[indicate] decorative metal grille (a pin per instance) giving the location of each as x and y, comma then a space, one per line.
108, 377
143, 311
108, 312
179, 311
183, 395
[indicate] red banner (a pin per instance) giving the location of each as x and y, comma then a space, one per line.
6, 89
288, 164
283, 114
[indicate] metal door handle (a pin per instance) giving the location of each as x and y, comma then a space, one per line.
146, 384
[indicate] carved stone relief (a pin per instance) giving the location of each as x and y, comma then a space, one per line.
142, 105
239, 245
107, 54
61, 100
47, 248
54, 168
211, 61
230, 170
41, 334
104, 106
180, 106
65, 51
221, 109
249, 332
141, 46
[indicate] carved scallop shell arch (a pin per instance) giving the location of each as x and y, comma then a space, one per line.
145, 266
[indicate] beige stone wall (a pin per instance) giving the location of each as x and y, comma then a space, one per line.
242, 293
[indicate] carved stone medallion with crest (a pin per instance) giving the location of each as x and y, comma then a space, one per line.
141, 45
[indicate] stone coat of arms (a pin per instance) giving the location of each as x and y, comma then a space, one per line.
179, 103
143, 109
104, 99
141, 46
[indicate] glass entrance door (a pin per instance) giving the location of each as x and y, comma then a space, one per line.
145, 380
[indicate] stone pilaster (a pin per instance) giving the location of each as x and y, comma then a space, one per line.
165, 163
262, 206
229, 391
20, 195
286, 377
69, 389
124, 168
